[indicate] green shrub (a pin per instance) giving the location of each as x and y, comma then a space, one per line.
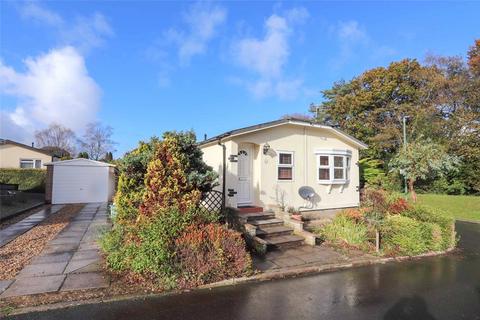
176, 175
446, 223
210, 253
131, 186
404, 236
32, 180
343, 230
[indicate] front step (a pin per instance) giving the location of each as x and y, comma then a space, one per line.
282, 242
264, 223
249, 209
270, 232
257, 215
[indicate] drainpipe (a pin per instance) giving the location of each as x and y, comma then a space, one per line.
305, 155
224, 172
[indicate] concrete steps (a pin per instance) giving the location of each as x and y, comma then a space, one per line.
287, 241
271, 231
271, 222
257, 215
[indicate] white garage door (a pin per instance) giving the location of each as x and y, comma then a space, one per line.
80, 184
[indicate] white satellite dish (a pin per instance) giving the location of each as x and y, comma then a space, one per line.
306, 192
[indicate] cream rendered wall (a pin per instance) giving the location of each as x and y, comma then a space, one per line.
302, 141
10, 156
213, 156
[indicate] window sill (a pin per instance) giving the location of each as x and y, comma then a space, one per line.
328, 182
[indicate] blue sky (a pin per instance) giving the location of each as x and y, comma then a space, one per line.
147, 67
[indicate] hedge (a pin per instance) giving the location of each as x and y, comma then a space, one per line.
32, 180
429, 215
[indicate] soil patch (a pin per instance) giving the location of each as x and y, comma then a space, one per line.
16, 254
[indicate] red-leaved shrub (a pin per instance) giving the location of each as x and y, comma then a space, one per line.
398, 206
353, 214
209, 253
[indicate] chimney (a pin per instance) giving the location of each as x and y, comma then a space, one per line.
204, 136
33, 145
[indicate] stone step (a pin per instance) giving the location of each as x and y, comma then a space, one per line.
267, 222
257, 215
269, 232
281, 242
249, 209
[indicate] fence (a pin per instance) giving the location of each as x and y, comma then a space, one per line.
212, 202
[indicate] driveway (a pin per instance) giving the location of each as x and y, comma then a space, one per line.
442, 287
71, 261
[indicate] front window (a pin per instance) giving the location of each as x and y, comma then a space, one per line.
285, 166
26, 164
30, 164
333, 166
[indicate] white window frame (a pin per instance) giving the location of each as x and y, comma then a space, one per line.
32, 161
280, 165
332, 153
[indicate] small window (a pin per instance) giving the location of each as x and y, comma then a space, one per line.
323, 168
38, 164
26, 164
338, 168
285, 166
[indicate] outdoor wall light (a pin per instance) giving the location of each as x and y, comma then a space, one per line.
266, 147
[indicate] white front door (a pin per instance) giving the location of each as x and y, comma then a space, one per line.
244, 192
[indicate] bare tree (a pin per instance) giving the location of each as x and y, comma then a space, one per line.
97, 140
56, 138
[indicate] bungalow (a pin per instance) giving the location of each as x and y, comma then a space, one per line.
266, 165
18, 155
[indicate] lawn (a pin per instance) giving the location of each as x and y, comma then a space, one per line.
459, 207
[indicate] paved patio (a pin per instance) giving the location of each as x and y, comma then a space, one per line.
11, 232
71, 261
297, 257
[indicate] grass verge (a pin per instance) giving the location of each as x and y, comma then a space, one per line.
458, 207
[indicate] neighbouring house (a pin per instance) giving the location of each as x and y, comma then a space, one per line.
80, 181
267, 164
17, 155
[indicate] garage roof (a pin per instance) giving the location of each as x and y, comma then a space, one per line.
80, 162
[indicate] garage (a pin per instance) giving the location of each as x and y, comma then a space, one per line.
79, 181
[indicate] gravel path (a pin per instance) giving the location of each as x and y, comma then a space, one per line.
16, 254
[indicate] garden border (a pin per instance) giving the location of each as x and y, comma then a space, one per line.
264, 276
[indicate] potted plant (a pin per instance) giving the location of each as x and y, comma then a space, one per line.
294, 213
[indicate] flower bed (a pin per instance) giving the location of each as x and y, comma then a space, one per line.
392, 225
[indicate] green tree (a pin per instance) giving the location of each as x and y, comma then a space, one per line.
474, 58
177, 175
372, 105
83, 155
131, 186
371, 171
420, 159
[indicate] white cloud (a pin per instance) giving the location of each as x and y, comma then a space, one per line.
88, 32
351, 31
55, 87
31, 10
352, 37
84, 33
202, 23
266, 57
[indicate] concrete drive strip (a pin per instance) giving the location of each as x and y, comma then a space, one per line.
82, 281
34, 285
10, 233
4, 284
71, 261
